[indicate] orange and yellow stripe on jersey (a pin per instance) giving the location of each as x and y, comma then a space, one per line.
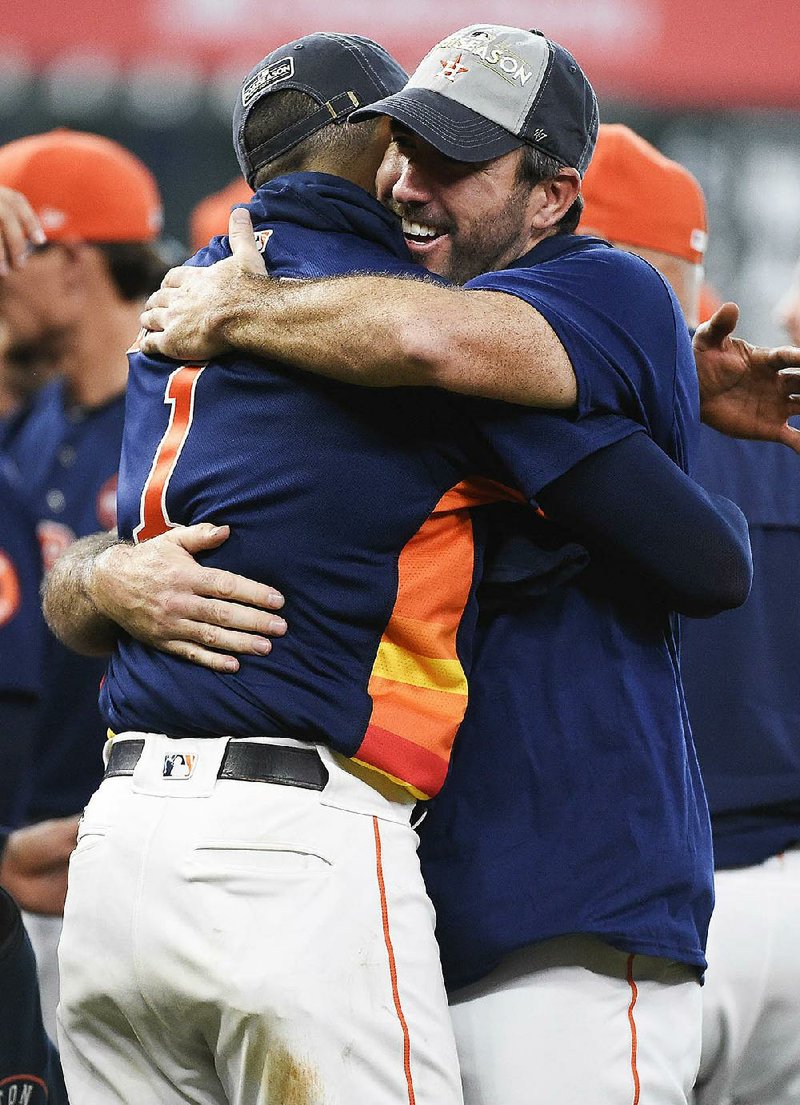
418, 686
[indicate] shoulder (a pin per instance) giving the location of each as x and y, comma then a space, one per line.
40, 418
596, 269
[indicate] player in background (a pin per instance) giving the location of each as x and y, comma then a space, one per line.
210, 216
19, 233
737, 670
671, 231
33, 874
72, 303
744, 703
22, 629
22, 637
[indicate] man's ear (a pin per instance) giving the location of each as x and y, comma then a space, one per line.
556, 196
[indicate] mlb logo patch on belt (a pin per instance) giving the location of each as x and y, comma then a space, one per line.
179, 765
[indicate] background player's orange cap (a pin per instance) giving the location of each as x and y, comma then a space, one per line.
211, 214
633, 194
83, 187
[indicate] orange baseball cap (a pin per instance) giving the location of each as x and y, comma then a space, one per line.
211, 214
83, 187
633, 194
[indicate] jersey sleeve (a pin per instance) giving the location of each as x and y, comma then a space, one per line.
632, 502
537, 447
621, 327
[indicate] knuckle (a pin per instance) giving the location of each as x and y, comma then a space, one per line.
210, 636
170, 605
224, 585
215, 612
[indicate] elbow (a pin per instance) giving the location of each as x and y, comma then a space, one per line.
425, 353
725, 584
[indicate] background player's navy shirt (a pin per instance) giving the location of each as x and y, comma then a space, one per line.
67, 458
329, 490
574, 802
30, 1071
744, 700
22, 634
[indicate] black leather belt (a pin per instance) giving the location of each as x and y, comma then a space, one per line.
254, 763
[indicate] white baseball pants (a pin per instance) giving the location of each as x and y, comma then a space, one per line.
751, 999
250, 943
572, 1021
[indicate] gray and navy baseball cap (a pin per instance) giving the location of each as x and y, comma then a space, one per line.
487, 89
340, 72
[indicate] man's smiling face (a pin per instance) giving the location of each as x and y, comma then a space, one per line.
460, 219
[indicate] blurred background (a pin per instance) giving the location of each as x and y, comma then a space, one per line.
715, 86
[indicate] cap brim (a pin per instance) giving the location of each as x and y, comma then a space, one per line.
452, 129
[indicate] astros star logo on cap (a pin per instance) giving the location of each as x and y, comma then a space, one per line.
451, 69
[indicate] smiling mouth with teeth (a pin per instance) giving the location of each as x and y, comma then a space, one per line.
419, 232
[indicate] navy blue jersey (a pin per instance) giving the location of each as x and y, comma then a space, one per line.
744, 699
574, 802
22, 634
67, 458
354, 502
30, 1071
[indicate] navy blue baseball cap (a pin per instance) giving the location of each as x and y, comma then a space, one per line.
487, 89
341, 72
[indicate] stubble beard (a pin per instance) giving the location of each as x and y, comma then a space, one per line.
492, 244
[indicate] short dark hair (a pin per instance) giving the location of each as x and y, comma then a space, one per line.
535, 167
338, 141
137, 268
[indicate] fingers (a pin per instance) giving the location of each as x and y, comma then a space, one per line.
228, 618
153, 322
720, 326
161, 297
786, 358
205, 658
216, 583
791, 437
19, 230
219, 584
198, 537
155, 314
210, 637
789, 383
176, 277
243, 242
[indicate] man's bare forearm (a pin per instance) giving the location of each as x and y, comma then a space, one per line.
67, 601
370, 330
385, 332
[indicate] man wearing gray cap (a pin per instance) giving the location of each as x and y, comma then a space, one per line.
623, 775
246, 920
